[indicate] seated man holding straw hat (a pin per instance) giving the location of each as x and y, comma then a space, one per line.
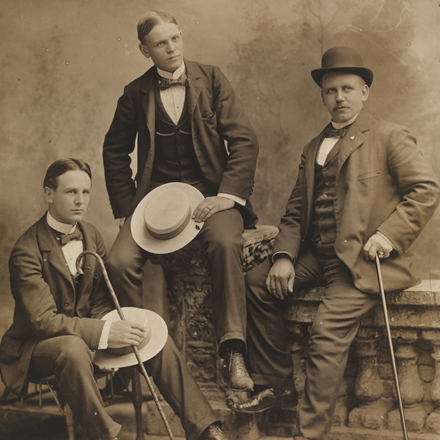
63, 320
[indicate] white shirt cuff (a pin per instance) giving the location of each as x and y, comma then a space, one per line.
236, 199
103, 342
287, 254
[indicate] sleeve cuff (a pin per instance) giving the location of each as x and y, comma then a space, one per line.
236, 199
103, 341
386, 238
282, 253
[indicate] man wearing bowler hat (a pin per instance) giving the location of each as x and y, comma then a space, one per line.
58, 327
191, 129
363, 188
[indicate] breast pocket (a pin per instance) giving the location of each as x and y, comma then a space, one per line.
369, 175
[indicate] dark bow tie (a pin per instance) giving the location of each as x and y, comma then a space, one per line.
75, 235
330, 131
165, 83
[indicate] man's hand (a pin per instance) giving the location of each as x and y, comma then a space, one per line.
124, 333
281, 278
210, 206
377, 244
121, 222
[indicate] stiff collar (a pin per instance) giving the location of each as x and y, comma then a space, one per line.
176, 74
339, 125
64, 228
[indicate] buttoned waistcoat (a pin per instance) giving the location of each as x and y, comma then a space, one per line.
383, 183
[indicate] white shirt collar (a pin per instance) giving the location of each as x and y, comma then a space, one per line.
64, 228
339, 125
176, 74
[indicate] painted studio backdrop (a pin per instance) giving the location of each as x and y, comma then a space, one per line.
64, 65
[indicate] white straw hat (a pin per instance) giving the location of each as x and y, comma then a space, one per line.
150, 346
162, 222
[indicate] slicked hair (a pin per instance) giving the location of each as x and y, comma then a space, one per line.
60, 167
152, 19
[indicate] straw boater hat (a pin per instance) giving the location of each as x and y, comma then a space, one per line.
152, 344
162, 222
345, 59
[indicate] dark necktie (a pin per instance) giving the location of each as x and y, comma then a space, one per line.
165, 83
75, 235
330, 131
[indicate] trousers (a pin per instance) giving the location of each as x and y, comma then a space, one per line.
333, 329
222, 241
70, 360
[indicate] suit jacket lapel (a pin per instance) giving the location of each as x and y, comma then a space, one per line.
194, 89
149, 106
310, 172
51, 250
354, 137
89, 261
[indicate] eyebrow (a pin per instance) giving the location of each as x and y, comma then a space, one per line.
165, 39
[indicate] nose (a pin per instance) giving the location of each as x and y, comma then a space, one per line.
171, 47
340, 96
79, 199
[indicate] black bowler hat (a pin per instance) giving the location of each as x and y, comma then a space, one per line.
342, 59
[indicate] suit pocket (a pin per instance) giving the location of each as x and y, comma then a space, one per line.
369, 175
209, 116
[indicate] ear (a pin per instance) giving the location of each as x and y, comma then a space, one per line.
365, 92
144, 50
322, 97
48, 194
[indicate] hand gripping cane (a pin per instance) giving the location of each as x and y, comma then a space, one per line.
135, 350
390, 344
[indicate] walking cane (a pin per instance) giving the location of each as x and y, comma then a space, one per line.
390, 343
135, 350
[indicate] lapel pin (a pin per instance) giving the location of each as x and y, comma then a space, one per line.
352, 138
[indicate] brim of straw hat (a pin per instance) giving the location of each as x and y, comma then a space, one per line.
156, 339
154, 245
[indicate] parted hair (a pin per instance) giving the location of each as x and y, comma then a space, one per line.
61, 166
152, 19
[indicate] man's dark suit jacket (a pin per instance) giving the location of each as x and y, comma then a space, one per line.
45, 298
383, 184
216, 116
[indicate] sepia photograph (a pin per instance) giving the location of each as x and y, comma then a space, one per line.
219, 220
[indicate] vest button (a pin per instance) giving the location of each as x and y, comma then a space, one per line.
66, 304
327, 183
324, 195
324, 206
325, 169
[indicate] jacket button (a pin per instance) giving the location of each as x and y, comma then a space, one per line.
66, 304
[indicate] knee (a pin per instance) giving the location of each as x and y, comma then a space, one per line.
256, 279
74, 352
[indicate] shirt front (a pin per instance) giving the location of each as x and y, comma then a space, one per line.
71, 250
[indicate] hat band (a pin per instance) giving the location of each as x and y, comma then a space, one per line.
128, 349
174, 232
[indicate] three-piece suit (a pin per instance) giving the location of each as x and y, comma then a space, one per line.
214, 148
374, 179
57, 324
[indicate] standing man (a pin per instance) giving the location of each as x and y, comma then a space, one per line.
191, 128
57, 320
363, 189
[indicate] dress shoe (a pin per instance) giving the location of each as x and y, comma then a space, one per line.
234, 369
213, 432
265, 400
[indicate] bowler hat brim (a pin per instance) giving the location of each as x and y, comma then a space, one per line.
363, 72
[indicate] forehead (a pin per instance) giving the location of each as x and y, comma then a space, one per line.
162, 31
333, 79
74, 179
